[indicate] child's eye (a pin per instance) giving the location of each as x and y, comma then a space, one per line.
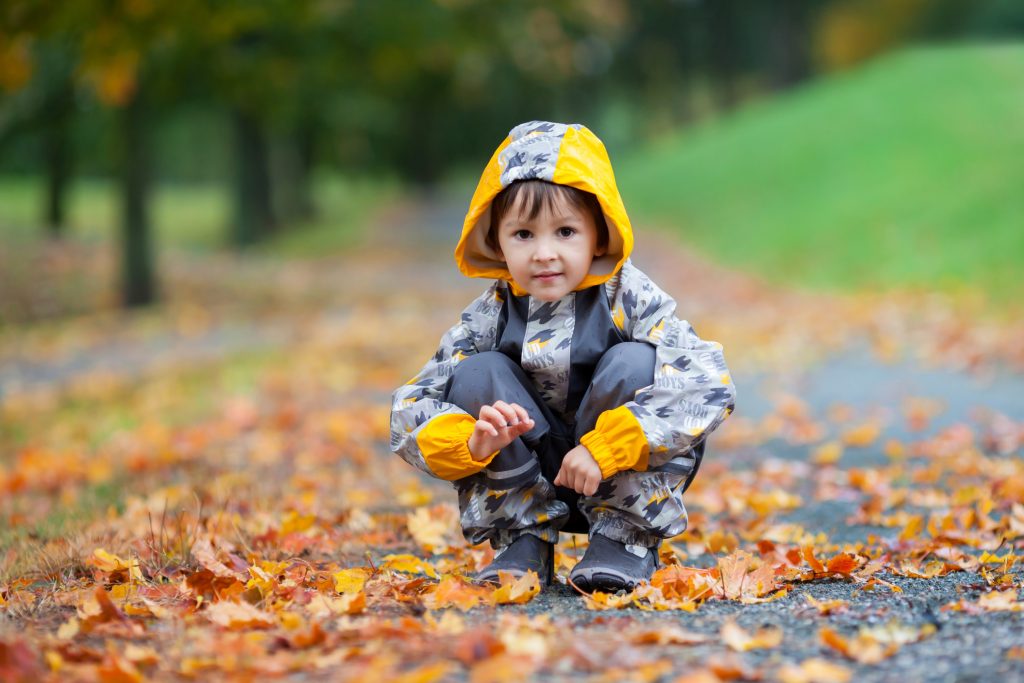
522, 234
566, 232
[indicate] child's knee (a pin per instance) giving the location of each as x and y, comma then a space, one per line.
628, 364
477, 379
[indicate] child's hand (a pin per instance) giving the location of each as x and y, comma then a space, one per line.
580, 472
498, 426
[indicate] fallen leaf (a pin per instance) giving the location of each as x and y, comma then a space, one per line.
350, 580
454, 591
409, 564
862, 435
668, 635
514, 590
828, 453
430, 526
827, 606
741, 641
204, 553
428, 673
238, 615
814, 670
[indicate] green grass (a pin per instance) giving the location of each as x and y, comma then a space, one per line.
194, 216
906, 173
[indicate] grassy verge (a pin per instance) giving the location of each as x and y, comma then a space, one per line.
903, 174
80, 430
194, 216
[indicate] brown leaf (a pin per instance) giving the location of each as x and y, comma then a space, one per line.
454, 591
204, 553
476, 645
667, 635
844, 563
117, 669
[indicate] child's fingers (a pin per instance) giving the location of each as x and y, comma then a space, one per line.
520, 429
560, 477
521, 412
494, 416
507, 412
572, 480
486, 427
590, 484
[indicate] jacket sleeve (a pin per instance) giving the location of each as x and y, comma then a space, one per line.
692, 391
427, 432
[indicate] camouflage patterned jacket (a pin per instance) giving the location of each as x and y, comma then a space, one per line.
558, 343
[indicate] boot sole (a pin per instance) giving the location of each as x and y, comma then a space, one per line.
590, 580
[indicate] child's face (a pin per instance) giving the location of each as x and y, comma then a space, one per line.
550, 255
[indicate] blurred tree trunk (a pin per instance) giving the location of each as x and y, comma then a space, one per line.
789, 43
57, 154
293, 170
254, 215
137, 270
723, 51
686, 61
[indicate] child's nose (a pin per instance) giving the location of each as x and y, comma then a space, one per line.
545, 251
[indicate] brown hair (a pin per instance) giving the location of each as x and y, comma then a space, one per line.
542, 193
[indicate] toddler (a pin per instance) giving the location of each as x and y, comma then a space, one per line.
569, 397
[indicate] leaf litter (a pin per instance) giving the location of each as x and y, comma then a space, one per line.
271, 533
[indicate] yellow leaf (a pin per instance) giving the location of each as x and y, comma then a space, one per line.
601, 601
827, 453
138, 654
1001, 601
814, 670
348, 603
107, 562
516, 590
428, 673
68, 629
913, 528
409, 564
428, 527
719, 542
54, 661
414, 495
112, 564
350, 580
741, 641
294, 522
862, 435
157, 610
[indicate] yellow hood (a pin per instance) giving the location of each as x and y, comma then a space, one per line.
559, 153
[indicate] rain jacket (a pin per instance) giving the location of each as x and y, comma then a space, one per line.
559, 343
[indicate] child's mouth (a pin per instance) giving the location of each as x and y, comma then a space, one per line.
547, 277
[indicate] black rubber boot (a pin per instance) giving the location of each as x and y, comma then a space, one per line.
528, 552
610, 566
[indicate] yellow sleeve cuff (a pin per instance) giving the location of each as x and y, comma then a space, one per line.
617, 442
444, 443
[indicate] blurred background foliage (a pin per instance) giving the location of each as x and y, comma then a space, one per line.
778, 136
